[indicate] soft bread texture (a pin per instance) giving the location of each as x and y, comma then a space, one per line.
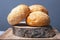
38, 7
38, 19
18, 14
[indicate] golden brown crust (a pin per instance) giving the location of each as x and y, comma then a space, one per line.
38, 7
38, 18
18, 14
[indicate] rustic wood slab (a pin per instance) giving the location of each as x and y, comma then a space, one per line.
34, 32
9, 35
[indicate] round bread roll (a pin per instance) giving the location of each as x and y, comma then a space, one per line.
38, 18
18, 14
38, 7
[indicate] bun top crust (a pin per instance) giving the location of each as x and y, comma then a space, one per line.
38, 7
38, 18
18, 14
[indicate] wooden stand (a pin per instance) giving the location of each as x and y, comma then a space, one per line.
34, 32
9, 35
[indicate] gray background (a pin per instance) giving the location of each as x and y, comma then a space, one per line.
53, 7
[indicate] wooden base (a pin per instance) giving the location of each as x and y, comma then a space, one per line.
9, 35
34, 32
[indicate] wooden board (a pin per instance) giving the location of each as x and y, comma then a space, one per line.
9, 35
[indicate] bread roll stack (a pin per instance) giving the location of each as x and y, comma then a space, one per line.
38, 16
